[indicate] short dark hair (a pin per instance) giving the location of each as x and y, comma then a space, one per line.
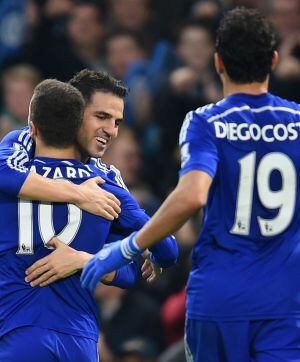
57, 111
246, 42
90, 81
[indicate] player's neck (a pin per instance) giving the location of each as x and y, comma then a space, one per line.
52, 152
255, 88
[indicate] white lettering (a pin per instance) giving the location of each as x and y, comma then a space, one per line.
264, 133
57, 173
232, 131
83, 173
277, 135
268, 133
33, 168
71, 172
246, 135
255, 131
47, 171
293, 133
221, 129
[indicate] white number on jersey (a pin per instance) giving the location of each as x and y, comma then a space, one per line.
283, 199
45, 222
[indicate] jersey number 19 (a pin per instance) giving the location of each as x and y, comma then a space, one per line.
283, 199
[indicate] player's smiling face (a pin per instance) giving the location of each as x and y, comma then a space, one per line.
102, 118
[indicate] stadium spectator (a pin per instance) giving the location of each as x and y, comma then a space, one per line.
134, 15
192, 84
209, 11
127, 59
285, 15
125, 154
72, 40
123, 50
18, 83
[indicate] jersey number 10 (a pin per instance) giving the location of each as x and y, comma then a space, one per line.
45, 221
283, 199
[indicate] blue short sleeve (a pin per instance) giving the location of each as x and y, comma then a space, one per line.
198, 145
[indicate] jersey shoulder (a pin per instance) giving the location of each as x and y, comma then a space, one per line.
199, 121
286, 103
19, 140
110, 173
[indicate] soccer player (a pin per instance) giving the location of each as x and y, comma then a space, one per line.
240, 159
13, 316
29, 316
104, 106
58, 321
18, 147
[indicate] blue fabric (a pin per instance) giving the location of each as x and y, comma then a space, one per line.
251, 341
26, 228
18, 146
116, 254
246, 260
33, 344
126, 277
15, 151
165, 253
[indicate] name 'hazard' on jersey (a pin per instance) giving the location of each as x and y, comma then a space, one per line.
26, 227
246, 261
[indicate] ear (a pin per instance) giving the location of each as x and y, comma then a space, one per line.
274, 60
219, 65
33, 129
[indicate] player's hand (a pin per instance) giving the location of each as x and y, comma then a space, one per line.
109, 259
61, 263
98, 201
150, 271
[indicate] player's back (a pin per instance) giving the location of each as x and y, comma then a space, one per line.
246, 263
26, 227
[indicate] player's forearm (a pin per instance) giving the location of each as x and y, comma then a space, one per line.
41, 188
82, 259
125, 277
189, 195
165, 252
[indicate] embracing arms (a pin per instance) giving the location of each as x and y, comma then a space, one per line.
16, 150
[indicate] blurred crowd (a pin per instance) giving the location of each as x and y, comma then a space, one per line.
163, 51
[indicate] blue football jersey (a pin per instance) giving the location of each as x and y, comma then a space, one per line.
27, 226
17, 149
246, 261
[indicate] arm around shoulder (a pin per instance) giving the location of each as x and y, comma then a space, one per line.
87, 196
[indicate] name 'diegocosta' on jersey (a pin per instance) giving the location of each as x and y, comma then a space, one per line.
253, 131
